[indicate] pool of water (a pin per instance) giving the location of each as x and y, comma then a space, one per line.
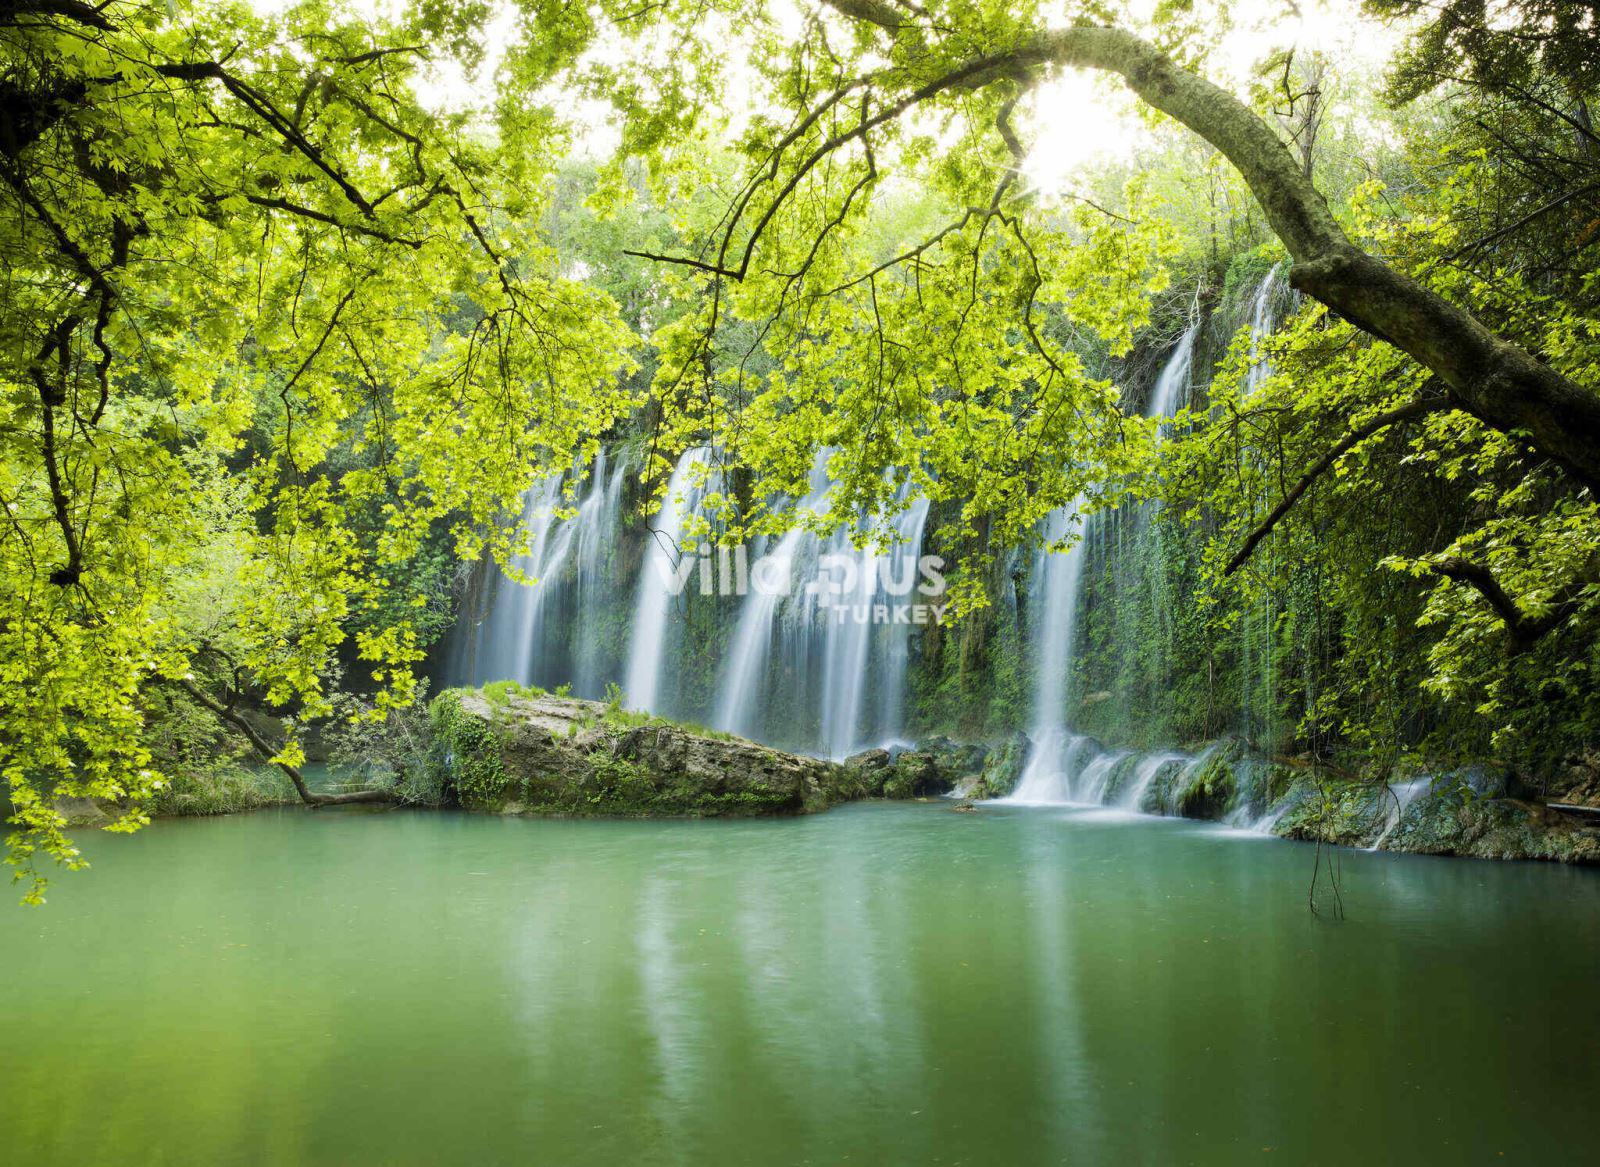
882, 984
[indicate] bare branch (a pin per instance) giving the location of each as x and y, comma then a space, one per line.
1345, 444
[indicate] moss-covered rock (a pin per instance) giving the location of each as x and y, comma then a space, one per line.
1001, 770
523, 751
1438, 816
916, 774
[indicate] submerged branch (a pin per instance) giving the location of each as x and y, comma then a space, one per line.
264, 748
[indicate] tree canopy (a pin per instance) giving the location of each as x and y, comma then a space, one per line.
279, 333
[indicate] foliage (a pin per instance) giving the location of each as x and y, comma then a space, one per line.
268, 319
282, 344
464, 754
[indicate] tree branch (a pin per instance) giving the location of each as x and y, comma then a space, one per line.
1500, 383
1345, 444
263, 748
1523, 629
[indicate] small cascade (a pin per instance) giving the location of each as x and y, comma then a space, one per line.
1171, 390
1096, 778
1048, 778
663, 579
1403, 795
1262, 323
1057, 580
548, 631
1144, 775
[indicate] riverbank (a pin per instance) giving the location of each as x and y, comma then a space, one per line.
510, 750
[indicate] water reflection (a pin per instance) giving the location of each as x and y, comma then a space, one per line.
881, 984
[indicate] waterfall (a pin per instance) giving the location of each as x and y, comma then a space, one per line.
1145, 774
741, 689
505, 643
1051, 775
1049, 784
878, 580
1091, 786
549, 631
1171, 391
899, 572
839, 630
1053, 618
1260, 624
662, 579
599, 527
1261, 325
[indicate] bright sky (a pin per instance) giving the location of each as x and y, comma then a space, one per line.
1079, 119
1082, 116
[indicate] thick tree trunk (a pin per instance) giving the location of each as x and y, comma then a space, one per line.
1497, 382
1501, 384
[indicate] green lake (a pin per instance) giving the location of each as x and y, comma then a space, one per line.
882, 984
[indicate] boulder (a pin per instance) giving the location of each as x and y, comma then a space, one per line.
527, 752
916, 774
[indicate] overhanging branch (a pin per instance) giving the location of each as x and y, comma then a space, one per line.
1342, 447
267, 754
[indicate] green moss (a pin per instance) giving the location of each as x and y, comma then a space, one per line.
466, 752
500, 693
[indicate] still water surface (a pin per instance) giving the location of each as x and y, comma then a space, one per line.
882, 985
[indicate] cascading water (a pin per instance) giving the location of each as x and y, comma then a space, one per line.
545, 631
599, 524
740, 702
872, 578
1171, 390
791, 664
1095, 780
805, 667
504, 644
1053, 617
663, 579
1144, 775
1051, 775
899, 573
1260, 684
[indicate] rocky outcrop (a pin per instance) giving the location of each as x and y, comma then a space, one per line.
517, 751
1465, 812
1000, 770
1439, 816
513, 750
